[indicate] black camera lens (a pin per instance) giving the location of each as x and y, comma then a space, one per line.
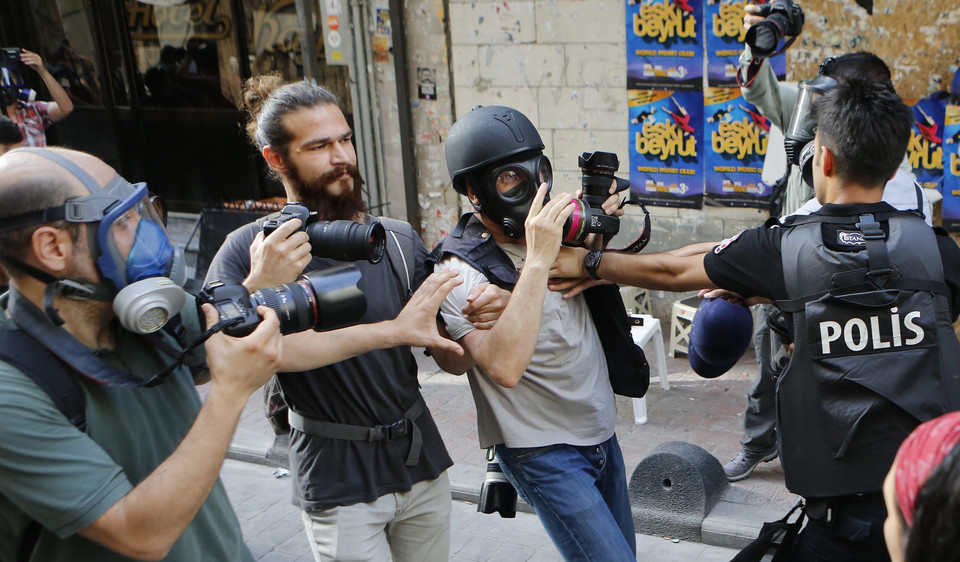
604, 163
783, 18
597, 169
596, 175
347, 240
497, 495
764, 37
326, 299
343, 240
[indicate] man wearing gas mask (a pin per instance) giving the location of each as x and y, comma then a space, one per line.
541, 385
133, 472
362, 440
18, 101
869, 293
787, 107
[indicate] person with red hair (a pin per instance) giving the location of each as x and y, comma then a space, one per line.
922, 493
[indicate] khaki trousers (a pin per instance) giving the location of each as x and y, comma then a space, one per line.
409, 526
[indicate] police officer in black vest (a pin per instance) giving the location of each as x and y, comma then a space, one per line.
869, 294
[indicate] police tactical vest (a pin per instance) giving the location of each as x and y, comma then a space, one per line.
626, 363
875, 352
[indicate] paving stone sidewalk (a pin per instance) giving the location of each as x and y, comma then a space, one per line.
705, 412
274, 532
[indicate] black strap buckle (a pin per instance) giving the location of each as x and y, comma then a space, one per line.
388, 433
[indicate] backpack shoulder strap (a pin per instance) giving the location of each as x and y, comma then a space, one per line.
400, 250
51, 375
48, 372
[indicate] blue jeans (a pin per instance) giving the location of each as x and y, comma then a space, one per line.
580, 494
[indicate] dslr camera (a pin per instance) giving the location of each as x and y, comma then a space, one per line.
343, 240
597, 170
12, 88
784, 19
497, 494
326, 299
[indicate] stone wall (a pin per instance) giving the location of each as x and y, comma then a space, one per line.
563, 64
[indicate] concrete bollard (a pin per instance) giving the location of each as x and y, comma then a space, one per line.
674, 488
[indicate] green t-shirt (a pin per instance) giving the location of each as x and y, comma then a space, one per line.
66, 479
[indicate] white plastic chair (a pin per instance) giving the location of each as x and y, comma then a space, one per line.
650, 338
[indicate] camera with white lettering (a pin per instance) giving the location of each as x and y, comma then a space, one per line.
497, 495
326, 299
343, 240
597, 172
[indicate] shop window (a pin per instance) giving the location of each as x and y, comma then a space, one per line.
185, 53
68, 50
274, 46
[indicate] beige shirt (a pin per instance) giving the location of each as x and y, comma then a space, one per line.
564, 396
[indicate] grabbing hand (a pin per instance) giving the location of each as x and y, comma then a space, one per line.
732, 297
544, 227
485, 304
573, 287
569, 264
416, 324
611, 206
751, 16
278, 258
242, 365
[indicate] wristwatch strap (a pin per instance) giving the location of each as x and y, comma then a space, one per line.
591, 262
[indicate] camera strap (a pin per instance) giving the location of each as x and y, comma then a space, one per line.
641, 242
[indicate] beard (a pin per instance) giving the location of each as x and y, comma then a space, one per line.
313, 194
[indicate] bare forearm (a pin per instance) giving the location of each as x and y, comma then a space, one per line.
695, 249
661, 272
310, 350
151, 517
59, 95
449, 361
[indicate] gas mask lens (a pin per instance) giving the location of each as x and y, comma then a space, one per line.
516, 182
802, 123
135, 245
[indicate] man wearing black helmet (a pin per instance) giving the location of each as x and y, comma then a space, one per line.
541, 384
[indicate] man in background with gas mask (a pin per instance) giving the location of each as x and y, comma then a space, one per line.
105, 450
541, 385
777, 102
33, 117
870, 294
363, 441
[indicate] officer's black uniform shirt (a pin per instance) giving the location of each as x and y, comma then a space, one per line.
749, 264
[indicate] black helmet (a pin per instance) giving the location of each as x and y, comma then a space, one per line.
486, 135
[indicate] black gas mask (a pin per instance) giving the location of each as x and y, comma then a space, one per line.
506, 190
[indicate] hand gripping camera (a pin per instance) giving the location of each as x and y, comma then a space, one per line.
784, 18
597, 169
12, 88
342, 240
326, 299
